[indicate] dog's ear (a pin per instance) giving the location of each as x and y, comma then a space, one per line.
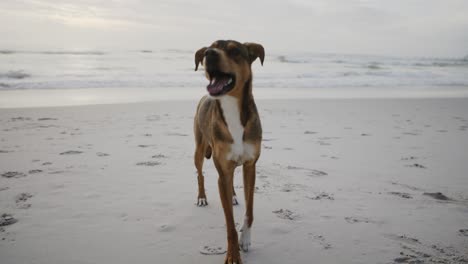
199, 57
255, 51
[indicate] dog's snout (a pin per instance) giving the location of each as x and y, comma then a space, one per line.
211, 53
212, 59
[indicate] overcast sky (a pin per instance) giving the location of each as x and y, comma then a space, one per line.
389, 27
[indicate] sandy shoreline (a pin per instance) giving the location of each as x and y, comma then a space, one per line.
339, 181
31, 98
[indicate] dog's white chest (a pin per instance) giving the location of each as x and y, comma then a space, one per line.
240, 151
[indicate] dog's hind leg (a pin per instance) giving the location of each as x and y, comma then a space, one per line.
249, 190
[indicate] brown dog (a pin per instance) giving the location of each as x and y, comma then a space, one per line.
227, 127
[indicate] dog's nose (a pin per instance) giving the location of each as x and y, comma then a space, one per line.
211, 53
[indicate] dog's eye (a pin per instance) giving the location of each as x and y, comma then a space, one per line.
234, 51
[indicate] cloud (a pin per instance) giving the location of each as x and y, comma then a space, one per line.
399, 27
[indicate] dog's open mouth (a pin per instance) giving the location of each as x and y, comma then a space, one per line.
220, 83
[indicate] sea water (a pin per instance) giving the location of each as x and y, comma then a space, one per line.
292, 73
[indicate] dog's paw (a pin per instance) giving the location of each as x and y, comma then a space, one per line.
234, 200
233, 258
244, 241
202, 202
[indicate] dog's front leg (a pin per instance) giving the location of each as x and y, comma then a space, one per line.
226, 174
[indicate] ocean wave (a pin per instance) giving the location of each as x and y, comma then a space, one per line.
371, 62
72, 52
456, 63
350, 73
374, 66
52, 52
338, 61
284, 59
15, 75
181, 51
441, 62
172, 69
7, 52
451, 84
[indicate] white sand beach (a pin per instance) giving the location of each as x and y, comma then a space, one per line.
364, 112
339, 181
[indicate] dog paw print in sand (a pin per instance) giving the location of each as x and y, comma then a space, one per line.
416, 165
7, 219
146, 145
21, 200
409, 158
417, 252
317, 173
463, 232
322, 196
177, 134
411, 133
413, 165
71, 152
212, 250
46, 119
159, 156
266, 146
359, 219
407, 186
166, 228
403, 238
57, 172
413, 255
322, 241
290, 187
402, 195
330, 157
407, 259
153, 118
438, 196
323, 143
149, 163
20, 118
310, 172
13, 174
286, 214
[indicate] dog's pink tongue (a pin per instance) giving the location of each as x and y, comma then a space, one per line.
216, 85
